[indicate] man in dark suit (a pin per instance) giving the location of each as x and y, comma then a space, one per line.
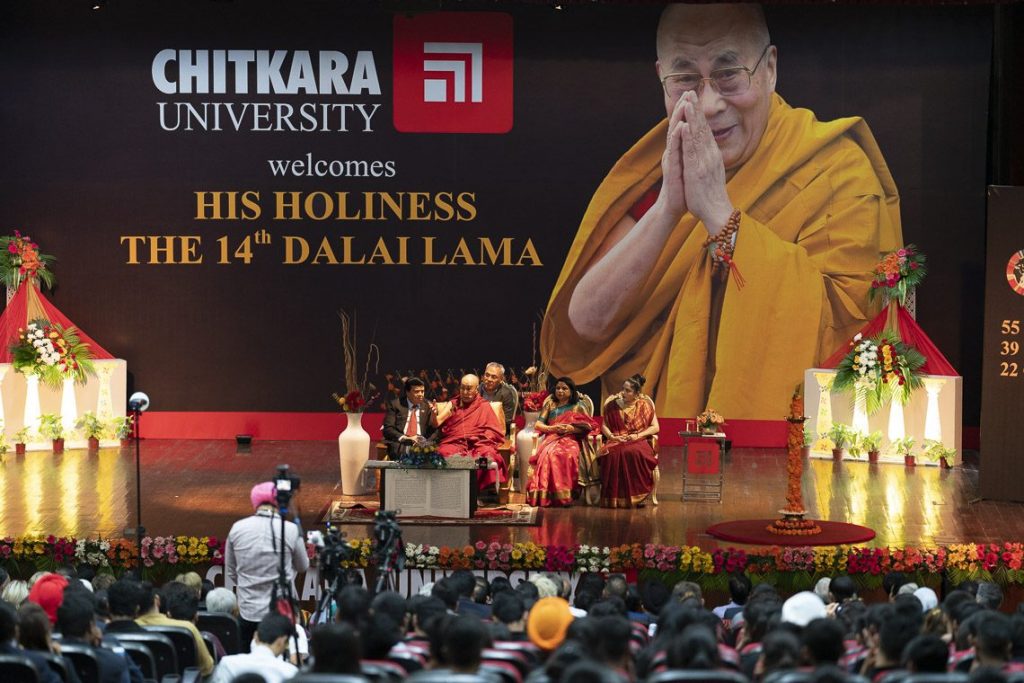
9, 644
407, 419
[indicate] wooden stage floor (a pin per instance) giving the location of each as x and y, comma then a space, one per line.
201, 487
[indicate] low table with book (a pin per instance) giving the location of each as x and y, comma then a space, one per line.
429, 491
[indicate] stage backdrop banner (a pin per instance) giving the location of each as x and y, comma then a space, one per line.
217, 180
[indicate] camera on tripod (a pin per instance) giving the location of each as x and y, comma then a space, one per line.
286, 484
332, 549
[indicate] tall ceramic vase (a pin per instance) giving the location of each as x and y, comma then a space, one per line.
524, 447
353, 452
68, 406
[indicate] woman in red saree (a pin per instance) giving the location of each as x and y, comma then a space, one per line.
564, 423
628, 461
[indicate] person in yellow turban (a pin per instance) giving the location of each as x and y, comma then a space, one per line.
732, 247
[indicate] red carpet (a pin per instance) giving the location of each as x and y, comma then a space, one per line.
755, 532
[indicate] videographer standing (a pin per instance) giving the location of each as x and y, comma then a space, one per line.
252, 557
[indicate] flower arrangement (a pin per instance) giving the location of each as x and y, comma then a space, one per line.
20, 260
882, 368
533, 401
710, 420
423, 456
360, 392
52, 352
898, 272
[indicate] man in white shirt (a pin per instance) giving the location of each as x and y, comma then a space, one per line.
252, 557
271, 639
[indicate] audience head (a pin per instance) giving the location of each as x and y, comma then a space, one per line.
379, 635
34, 627
222, 601
102, 582
48, 593
654, 595
822, 642
547, 622
481, 591
123, 598
149, 598
927, 597
15, 593
446, 591
336, 649
8, 623
739, 588
821, 588
588, 672
894, 634
687, 589
463, 641
842, 588
990, 595
994, 640
696, 649
609, 607
613, 638
274, 630
507, 608
925, 654
803, 608
892, 583
182, 601
353, 604
423, 609
546, 588
616, 586
528, 593
390, 604
500, 584
780, 650
192, 580
76, 616
463, 581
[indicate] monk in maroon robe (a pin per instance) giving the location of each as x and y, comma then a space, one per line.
472, 428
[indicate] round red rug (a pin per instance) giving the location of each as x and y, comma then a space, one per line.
755, 532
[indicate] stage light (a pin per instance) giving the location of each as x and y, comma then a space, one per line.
138, 402
99, 4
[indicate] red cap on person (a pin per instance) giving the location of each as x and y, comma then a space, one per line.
48, 593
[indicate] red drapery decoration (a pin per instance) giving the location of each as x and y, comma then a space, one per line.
910, 332
28, 304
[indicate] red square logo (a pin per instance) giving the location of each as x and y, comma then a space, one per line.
453, 72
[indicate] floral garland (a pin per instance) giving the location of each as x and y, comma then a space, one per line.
1001, 562
882, 368
52, 352
20, 260
898, 272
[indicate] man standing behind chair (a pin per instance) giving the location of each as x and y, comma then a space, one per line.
469, 426
252, 557
407, 420
495, 388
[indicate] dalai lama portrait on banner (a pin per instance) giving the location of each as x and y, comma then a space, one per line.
732, 246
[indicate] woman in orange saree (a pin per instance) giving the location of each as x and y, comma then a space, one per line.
628, 460
564, 422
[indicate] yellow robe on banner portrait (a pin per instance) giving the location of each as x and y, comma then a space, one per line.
818, 207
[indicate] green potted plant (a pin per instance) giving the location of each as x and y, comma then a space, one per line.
92, 427
936, 450
122, 428
20, 439
871, 443
3, 441
841, 437
855, 448
905, 447
51, 427
808, 442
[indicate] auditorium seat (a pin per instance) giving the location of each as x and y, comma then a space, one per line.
18, 669
160, 646
709, 676
83, 660
224, 626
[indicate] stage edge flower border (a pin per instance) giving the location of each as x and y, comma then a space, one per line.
787, 567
